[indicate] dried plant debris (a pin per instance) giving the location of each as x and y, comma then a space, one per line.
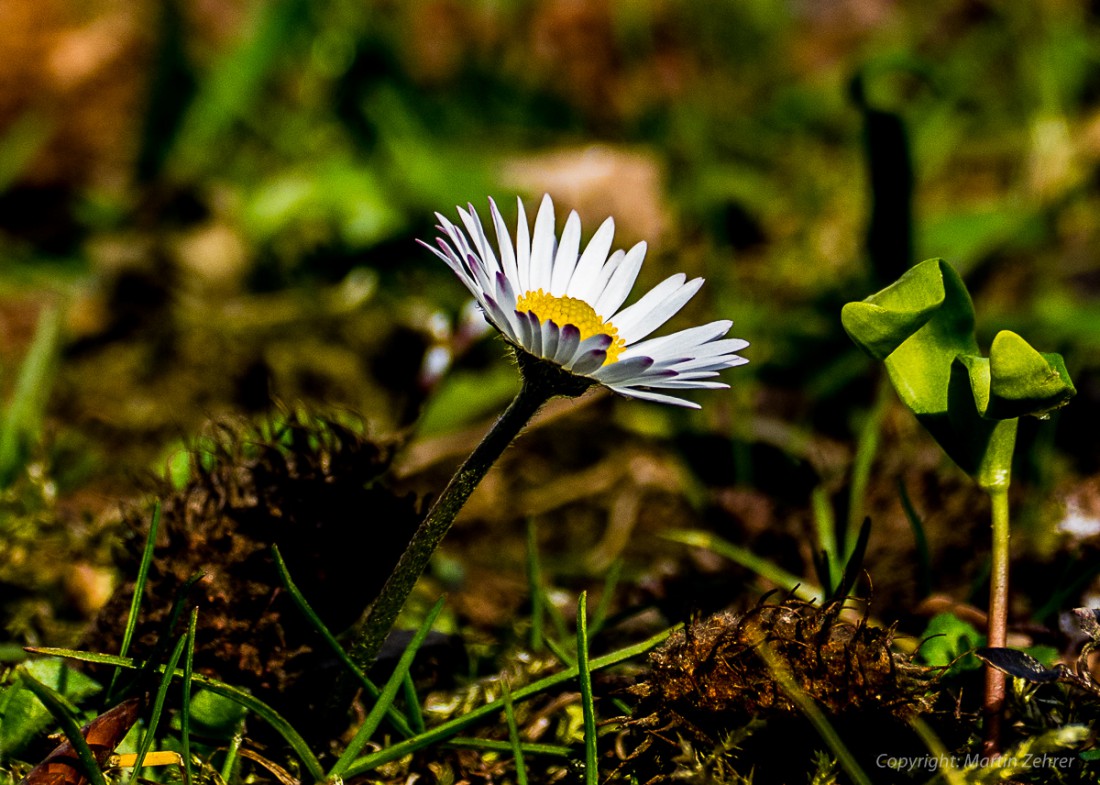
710, 690
315, 485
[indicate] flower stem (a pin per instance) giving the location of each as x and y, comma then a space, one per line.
993, 707
540, 384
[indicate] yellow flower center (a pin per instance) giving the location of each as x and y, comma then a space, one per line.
570, 310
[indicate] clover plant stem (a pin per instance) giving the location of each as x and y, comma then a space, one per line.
998, 620
540, 384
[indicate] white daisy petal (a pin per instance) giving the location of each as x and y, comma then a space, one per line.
595, 343
653, 310
524, 328
536, 334
481, 242
679, 342
589, 362
597, 288
504, 242
588, 266
621, 371
568, 342
550, 335
568, 252
523, 249
687, 384
569, 304
452, 262
648, 395
506, 295
543, 246
622, 280
498, 317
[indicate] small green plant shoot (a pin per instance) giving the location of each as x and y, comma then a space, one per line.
922, 328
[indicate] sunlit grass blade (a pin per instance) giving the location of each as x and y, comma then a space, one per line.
389, 692
946, 769
452, 728
58, 708
611, 582
240, 696
23, 417
866, 450
825, 528
139, 590
584, 679
185, 705
20, 143
513, 733
158, 708
813, 713
493, 745
412, 701
924, 555
559, 651
230, 88
698, 538
397, 719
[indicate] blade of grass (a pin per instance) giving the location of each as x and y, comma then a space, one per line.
813, 713
20, 143
924, 557
236, 694
564, 657
158, 708
412, 701
389, 692
139, 590
513, 733
56, 706
451, 728
946, 768
493, 745
584, 678
440, 733
866, 449
599, 617
855, 562
535, 588
23, 417
396, 718
825, 529
185, 705
698, 538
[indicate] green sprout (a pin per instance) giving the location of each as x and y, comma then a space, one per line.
922, 328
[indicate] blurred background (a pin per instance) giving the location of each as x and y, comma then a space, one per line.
208, 208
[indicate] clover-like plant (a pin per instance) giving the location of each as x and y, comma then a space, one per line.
922, 328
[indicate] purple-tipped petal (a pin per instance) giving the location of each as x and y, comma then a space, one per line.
568, 342
649, 395
589, 361
623, 370
550, 336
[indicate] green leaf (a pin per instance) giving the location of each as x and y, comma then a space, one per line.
929, 299
22, 716
1024, 381
949, 641
216, 716
922, 327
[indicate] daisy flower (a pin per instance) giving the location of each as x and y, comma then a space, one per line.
565, 306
